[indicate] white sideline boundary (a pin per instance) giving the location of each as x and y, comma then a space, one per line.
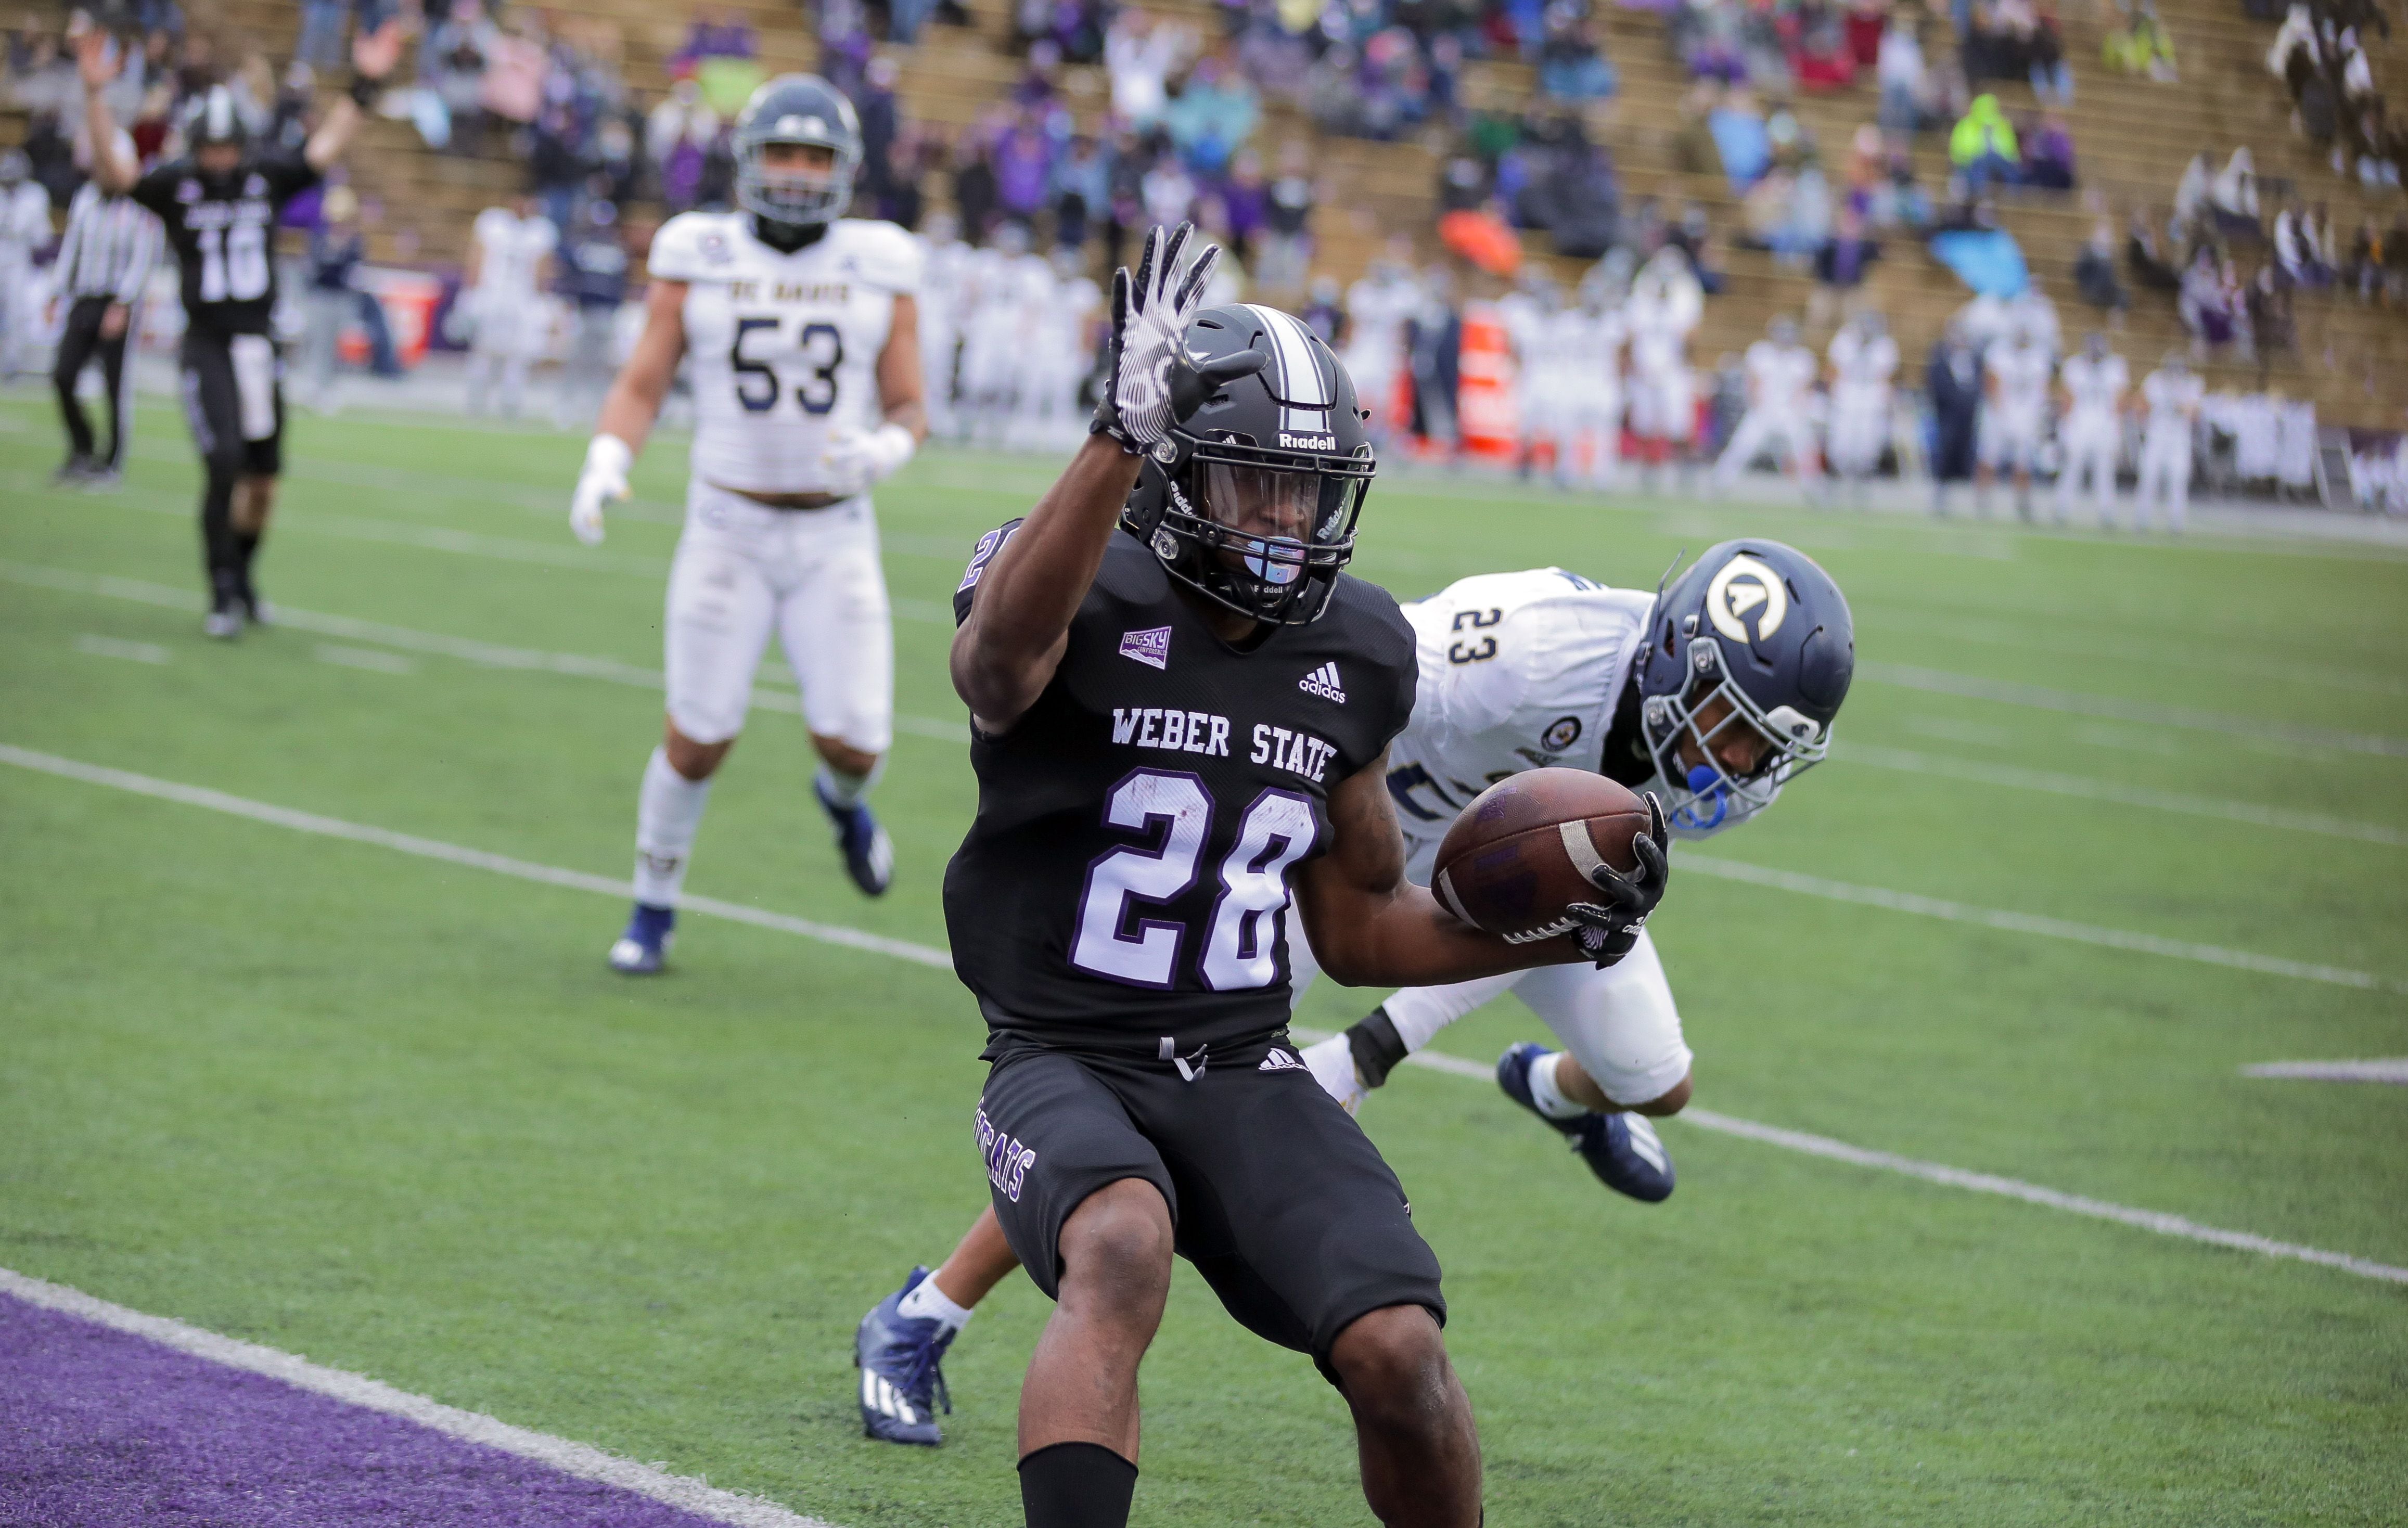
611, 670
927, 955
581, 1460
2391, 1069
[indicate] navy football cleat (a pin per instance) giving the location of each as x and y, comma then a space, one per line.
1621, 1150
868, 854
644, 949
902, 1379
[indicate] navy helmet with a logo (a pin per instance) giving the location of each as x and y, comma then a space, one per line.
796, 108
1252, 497
1753, 636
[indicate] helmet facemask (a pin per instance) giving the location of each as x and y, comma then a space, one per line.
798, 195
1260, 532
1704, 795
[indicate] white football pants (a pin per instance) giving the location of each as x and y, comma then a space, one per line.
1566, 414
20, 317
1860, 430
1764, 429
1620, 1023
2165, 474
1663, 405
813, 576
2090, 450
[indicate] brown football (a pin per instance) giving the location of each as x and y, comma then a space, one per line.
1520, 852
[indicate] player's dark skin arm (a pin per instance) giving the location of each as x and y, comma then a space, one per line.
1006, 652
1371, 927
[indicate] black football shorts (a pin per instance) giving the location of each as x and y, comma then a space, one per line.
1276, 1195
234, 400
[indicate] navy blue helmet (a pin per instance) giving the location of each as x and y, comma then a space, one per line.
1252, 497
796, 108
1752, 639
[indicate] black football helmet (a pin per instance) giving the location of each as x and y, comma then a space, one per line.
1251, 498
796, 108
1756, 636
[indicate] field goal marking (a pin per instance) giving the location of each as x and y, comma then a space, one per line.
581, 1460
927, 955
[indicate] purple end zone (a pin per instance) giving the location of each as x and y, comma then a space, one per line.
100, 1429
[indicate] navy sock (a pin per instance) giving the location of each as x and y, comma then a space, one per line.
1076, 1485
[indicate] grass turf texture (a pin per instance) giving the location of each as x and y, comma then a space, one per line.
395, 1116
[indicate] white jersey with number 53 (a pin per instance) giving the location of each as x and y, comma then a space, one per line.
783, 348
1517, 671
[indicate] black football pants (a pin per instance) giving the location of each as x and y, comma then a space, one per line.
234, 406
79, 344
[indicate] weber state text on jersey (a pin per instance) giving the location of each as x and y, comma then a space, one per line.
1127, 876
784, 347
1518, 671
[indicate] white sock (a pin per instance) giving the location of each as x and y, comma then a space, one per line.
668, 812
1332, 1063
1547, 1095
927, 1302
844, 788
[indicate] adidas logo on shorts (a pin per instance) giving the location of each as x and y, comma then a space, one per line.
1324, 681
1281, 1060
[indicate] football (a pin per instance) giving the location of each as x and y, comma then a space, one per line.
1522, 852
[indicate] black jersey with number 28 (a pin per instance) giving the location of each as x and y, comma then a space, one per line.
1127, 877
223, 233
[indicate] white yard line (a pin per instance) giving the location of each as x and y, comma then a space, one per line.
928, 955
582, 1460
2115, 708
114, 646
1693, 862
2014, 777
2394, 1069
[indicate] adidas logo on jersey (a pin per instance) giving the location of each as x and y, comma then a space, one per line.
1324, 681
1281, 1060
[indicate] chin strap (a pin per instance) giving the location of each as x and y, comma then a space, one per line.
787, 237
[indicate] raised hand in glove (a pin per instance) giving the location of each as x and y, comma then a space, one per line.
1609, 925
1149, 384
605, 478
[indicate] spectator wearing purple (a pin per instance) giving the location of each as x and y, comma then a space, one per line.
1287, 222
1024, 169
1081, 190
1245, 198
2048, 155
881, 116
1841, 264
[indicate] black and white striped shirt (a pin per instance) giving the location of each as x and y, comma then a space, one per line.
110, 245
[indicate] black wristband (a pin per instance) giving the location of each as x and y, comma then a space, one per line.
1376, 1046
364, 91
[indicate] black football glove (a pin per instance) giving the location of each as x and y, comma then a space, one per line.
1147, 382
1608, 927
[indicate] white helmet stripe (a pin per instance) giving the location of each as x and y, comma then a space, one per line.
221, 112
1300, 386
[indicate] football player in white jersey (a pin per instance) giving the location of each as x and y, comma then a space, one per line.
1378, 308
994, 333
1780, 409
2015, 410
2173, 394
944, 280
1570, 388
1864, 359
1711, 695
800, 328
509, 262
24, 229
1059, 353
1664, 304
2091, 434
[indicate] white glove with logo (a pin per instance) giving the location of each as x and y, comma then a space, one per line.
605, 478
1142, 357
854, 459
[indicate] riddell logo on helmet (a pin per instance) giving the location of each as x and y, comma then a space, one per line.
1307, 443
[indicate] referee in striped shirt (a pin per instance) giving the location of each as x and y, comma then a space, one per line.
104, 261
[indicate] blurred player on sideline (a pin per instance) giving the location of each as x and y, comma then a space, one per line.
1780, 410
2092, 432
946, 262
1664, 303
510, 263
2173, 394
594, 269
105, 260
219, 203
24, 229
1713, 695
1379, 308
801, 329
1864, 359
2015, 413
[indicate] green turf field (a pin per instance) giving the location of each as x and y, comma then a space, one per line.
394, 1115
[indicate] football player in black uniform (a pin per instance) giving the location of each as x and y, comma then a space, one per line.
219, 203
1177, 731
